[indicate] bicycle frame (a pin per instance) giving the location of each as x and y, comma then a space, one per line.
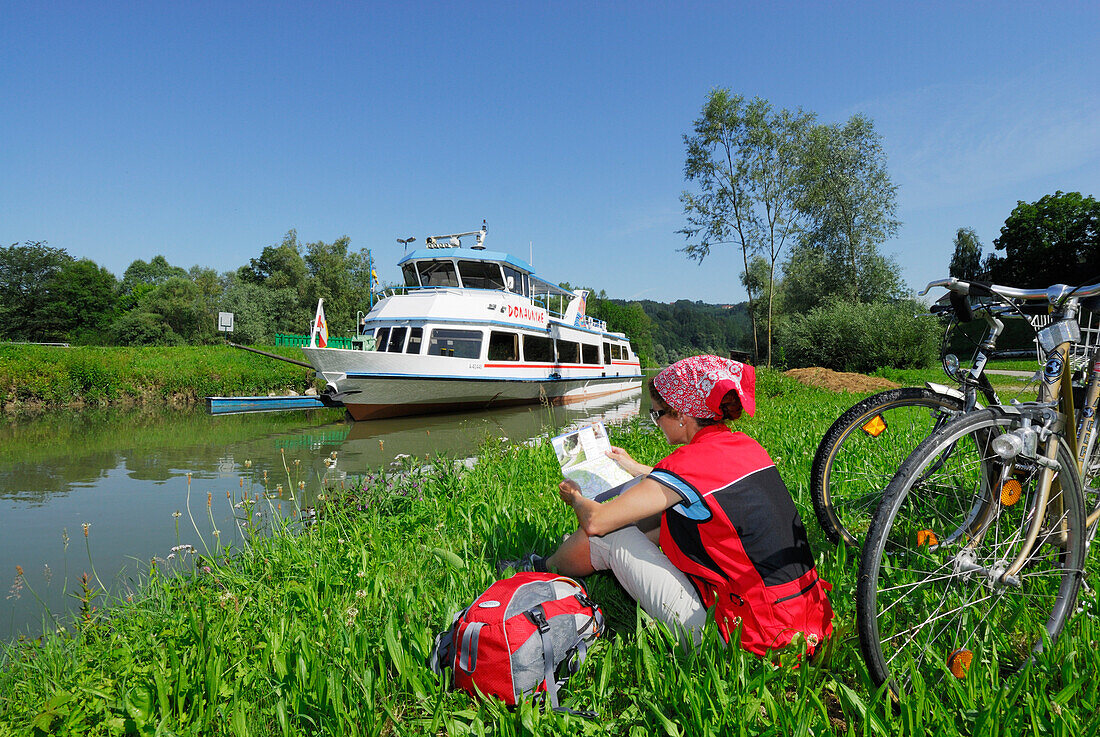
1054, 407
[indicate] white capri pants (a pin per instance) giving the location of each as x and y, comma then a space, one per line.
662, 589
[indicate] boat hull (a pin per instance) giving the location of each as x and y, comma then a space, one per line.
371, 398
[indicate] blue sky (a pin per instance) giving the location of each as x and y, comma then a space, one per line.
204, 131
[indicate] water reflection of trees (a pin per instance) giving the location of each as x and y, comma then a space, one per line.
52, 454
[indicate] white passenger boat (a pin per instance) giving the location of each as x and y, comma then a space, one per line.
472, 329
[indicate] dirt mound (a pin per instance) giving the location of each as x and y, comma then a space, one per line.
840, 381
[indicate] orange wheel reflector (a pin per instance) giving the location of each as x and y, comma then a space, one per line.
1011, 491
875, 426
927, 537
958, 662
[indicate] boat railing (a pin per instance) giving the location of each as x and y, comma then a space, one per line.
302, 341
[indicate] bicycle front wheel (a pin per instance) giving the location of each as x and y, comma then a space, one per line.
934, 596
862, 451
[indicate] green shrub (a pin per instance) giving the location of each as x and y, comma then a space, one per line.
862, 337
143, 328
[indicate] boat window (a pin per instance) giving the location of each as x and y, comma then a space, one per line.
381, 339
569, 352
409, 271
414, 340
503, 346
607, 353
456, 343
590, 353
538, 349
437, 273
397, 340
518, 283
480, 275
626, 353
616, 353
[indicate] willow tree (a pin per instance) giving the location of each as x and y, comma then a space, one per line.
966, 261
744, 158
849, 204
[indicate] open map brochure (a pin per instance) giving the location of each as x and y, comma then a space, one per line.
583, 457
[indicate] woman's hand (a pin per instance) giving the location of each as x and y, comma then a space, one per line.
627, 463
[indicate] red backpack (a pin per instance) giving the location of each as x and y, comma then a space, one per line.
510, 642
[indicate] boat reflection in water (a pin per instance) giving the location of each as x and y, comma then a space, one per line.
380, 443
140, 479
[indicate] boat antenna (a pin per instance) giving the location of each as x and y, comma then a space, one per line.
531, 252
455, 239
480, 245
405, 242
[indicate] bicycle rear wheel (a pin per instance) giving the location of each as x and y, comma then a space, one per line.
932, 598
863, 449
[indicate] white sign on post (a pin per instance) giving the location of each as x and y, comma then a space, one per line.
225, 322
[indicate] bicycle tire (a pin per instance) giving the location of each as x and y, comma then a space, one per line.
927, 605
851, 468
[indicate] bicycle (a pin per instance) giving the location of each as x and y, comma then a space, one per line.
864, 447
977, 549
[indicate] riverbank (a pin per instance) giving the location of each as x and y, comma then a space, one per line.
324, 628
33, 377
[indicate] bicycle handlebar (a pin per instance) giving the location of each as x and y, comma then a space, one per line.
1052, 294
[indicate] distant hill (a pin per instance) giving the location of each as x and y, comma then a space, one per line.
685, 328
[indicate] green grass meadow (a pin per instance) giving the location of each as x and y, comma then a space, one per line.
33, 376
323, 628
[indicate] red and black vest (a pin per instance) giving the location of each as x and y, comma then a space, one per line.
739, 538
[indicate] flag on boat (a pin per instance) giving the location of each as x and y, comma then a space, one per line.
582, 304
318, 336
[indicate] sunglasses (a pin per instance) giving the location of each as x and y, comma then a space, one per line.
656, 414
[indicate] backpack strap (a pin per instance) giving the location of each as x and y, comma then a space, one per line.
443, 652
467, 653
596, 620
538, 615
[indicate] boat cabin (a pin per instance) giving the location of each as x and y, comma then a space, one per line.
497, 344
471, 268
446, 265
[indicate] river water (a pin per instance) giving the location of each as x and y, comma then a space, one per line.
145, 482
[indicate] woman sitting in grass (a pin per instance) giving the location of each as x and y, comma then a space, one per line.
711, 525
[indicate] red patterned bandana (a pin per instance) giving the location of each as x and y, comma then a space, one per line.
695, 386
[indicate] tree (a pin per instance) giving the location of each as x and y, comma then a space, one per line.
811, 278
25, 273
80, 303
179, 302
721, 211
759, 278
257, 310
778, 140
342, 277
850, 204
154, 273
280, 267
635, 323
745, 159
1053, 240
966, 262
138, 327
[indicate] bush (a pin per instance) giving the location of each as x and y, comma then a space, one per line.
143, 328
862, 337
